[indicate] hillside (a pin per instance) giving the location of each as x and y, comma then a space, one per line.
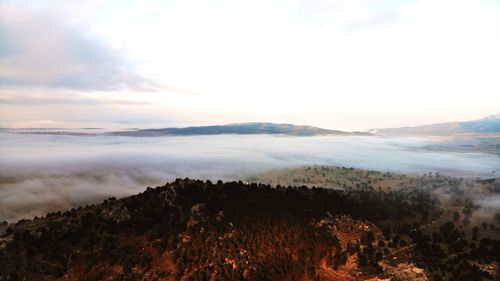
487, 125
195, 230
239, 128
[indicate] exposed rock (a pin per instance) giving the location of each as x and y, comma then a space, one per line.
197, 209
196, 214
405, 271
220, 216
5, 240
119, 214
417, 270
169, 196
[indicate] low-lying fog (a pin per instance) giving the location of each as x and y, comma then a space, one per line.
40, 173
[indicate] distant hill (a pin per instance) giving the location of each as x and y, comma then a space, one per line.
487, 125
239, 128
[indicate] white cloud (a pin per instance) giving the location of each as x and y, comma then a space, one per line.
349, 65
40, 49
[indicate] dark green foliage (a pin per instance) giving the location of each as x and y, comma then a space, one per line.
220, 230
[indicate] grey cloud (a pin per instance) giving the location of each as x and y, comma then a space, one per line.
38, 49
65, 101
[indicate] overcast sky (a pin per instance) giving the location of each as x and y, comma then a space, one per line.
350, 65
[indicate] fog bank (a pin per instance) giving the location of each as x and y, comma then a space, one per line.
40, 173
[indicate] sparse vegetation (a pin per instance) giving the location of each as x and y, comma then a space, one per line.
195, 230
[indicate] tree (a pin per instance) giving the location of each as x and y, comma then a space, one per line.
446, 228
484, 225
436, 237
475, 233
497, 217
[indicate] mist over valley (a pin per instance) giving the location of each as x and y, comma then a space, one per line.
51, 171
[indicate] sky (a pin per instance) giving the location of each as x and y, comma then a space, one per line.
348, 65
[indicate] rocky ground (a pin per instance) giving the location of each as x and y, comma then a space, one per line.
195, 230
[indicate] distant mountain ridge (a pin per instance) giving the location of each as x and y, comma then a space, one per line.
486, 125
239, 128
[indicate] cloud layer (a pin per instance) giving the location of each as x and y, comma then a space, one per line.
39, 49
41, 173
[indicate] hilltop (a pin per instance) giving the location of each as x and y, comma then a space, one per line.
196, 230
251, 128
485, 126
